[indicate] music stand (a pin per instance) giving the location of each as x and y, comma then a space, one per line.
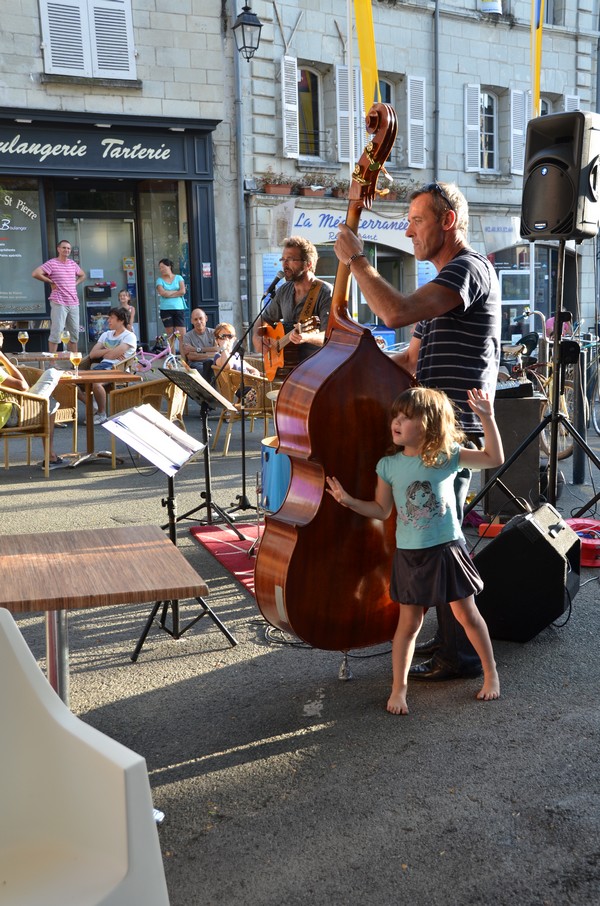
168, 448
208, 398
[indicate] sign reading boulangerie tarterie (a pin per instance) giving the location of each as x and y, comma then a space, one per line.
91, 151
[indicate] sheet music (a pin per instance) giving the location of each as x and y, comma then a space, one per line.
153, 436
192, 383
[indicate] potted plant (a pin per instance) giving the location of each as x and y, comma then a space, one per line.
340, 188
312, 184
276, 183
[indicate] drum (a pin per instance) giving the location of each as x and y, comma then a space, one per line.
276, 471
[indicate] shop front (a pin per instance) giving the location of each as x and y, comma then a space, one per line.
387, 247
124, 192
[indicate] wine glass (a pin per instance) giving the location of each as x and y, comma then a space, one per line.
23, 336
76, 361
65, 337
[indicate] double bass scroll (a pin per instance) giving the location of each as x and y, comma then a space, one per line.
322, 572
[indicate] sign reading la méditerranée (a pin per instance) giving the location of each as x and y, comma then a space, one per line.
321, 226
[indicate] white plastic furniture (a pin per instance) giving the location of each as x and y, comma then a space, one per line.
77, 824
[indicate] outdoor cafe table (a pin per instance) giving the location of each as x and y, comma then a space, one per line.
87, 379
61, 571
42, 359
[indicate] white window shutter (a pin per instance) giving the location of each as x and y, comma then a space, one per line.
88, 38
572, 102
360, 127
416, 122
518, 125
111, 31
472, 128
342, 93
65, 37
342, 97
289, 105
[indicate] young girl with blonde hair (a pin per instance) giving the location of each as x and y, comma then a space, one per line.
431, 564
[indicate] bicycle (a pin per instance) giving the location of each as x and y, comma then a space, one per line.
148, 361
592, 346
541, 375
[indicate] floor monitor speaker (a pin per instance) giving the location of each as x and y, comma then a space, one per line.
561, 177
531, 573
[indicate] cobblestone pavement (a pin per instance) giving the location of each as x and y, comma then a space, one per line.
281, 783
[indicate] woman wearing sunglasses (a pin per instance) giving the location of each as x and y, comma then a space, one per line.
225, 341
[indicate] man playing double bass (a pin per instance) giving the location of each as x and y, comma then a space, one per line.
302, 300
455, 346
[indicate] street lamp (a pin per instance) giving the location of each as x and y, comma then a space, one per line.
247, 31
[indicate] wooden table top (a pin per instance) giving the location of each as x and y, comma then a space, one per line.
93, 568
25, 357
114, 376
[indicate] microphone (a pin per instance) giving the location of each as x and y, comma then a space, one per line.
278, 276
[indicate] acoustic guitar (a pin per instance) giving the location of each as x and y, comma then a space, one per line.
273, 357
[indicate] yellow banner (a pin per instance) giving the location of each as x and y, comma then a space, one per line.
537, 26
366, 47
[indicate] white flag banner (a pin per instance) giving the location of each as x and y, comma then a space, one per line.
490, 6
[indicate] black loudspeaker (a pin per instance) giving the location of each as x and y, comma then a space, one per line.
531, 573
560, 182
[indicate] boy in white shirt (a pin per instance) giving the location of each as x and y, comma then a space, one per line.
115, 345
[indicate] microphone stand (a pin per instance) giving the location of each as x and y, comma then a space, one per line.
243, 503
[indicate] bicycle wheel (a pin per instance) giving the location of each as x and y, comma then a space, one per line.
564, 443
595, 405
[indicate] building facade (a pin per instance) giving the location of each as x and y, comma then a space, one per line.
137, 132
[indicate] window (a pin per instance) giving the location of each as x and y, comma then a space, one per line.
386, 90
88, 38
489, 142
308, 113
301, 102
481, 130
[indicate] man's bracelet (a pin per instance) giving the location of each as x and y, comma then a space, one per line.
353, 258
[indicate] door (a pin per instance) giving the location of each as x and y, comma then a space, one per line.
105, 249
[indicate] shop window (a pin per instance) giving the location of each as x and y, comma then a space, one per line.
88, 38
22, 226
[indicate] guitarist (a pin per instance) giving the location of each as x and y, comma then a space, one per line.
300, 298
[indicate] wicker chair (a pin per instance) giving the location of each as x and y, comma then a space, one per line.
224, 387
165, 396
65, 394
33, 421
228, 383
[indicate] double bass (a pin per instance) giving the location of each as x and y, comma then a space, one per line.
322, 571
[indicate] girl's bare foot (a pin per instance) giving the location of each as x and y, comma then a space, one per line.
397, 703
490, 690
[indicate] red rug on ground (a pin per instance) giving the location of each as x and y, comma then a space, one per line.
229, 550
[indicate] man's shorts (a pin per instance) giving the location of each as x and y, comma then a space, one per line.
63, 316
